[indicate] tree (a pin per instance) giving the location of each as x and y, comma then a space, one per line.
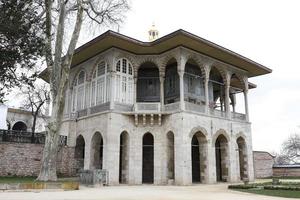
291, 148
101, 12
21, 42
290, 152
35, 99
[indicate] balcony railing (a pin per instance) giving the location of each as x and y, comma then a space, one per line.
238, 116
27, 137
155, 108
217, 113
147, 107
194, 107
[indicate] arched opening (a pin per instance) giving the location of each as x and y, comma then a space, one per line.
216, 90
148, 158
124, 158
221, 148
79, 152
199, 146
97, 151
171, 84
148, 85
193, 83
242, 151
170, 156
236, 94
19, 126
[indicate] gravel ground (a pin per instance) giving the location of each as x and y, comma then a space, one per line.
143, 192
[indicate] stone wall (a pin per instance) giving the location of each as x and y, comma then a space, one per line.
286, 171
263, 163
22, 159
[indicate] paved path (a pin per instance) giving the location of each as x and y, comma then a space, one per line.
144, 192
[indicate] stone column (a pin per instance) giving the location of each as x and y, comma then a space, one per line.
162, 96
246, 98
112, 92
206, 80
227, 100
181, 88
134, 89
87, 154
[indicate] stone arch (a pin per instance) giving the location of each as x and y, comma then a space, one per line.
197, 61
19, 126
148, 158
124, 157
170, 136
166, 59
199, 157
198, 129
147, 59
79, 152
242, 157
96, 156
218, 133
222, 157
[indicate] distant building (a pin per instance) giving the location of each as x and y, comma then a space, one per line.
263, 163
18, 119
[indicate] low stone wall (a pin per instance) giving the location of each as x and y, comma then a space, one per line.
22, 159
286, 171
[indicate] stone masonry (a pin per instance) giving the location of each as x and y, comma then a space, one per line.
263, 163
22, 159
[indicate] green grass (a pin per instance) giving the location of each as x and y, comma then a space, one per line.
277, 193
14, 179
29, 179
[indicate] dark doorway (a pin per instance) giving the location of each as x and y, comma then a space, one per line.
148, 158
221, 151
19, 126
79, 152
195, 160
97, 151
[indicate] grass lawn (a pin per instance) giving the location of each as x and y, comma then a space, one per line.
29, 179
277, 193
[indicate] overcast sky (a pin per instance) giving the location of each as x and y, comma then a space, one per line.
266, 31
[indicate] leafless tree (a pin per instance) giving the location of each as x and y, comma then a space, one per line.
291, 148
78, 12
35, 99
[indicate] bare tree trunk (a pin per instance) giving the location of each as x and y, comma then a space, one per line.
48, 167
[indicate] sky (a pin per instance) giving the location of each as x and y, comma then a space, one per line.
266, 31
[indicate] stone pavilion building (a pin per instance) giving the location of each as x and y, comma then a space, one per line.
160, 112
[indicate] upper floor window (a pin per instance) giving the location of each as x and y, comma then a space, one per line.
78, 96
100, 84
124, 81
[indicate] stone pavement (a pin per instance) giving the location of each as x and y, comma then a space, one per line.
144, 192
